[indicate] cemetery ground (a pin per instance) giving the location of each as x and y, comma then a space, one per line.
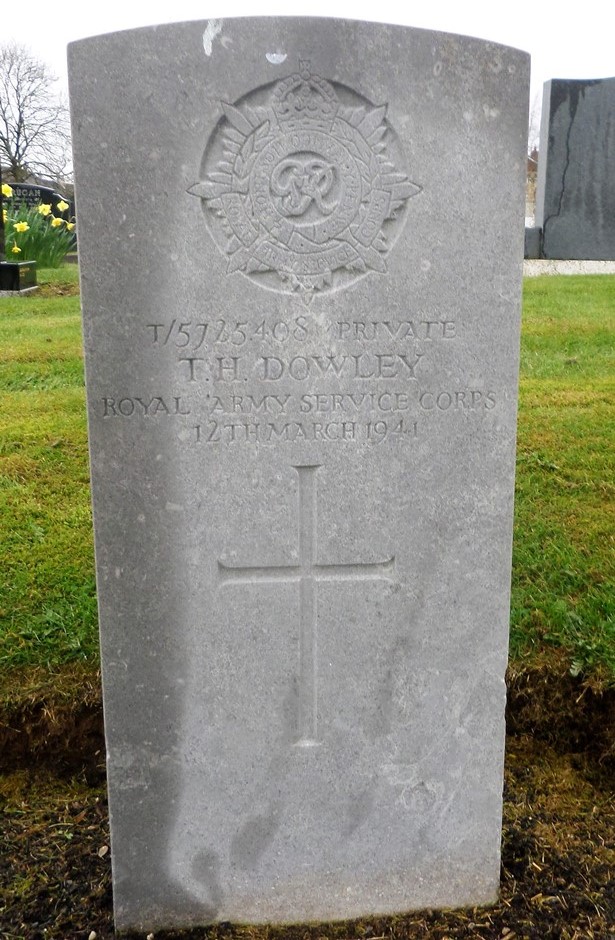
558, 869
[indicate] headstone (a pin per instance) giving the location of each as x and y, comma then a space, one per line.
301, 245
31, 195
575, 193
17, 276
533, 247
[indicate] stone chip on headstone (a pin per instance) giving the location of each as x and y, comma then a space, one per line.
301, 245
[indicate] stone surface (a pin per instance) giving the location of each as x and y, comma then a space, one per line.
533, 238
575, 192
302, 376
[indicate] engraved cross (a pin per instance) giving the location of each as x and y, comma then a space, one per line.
307, 573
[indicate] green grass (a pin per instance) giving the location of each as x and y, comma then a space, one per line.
67, 275
47, 589
563, 596
568, 329
564, 560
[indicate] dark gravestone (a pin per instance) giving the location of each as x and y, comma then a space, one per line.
17, 275
532, 243
31, 196
575, 196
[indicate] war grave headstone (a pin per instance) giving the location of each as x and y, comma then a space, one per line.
301, 246
575, 191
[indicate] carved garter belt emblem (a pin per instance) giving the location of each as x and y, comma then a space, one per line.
302, 187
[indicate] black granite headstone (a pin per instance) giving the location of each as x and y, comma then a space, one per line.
17, 275
31, 195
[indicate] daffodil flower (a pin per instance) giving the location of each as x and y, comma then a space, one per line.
21, 226
62, 206
6, 190
55, 222
45, 208
70, 226
16, 249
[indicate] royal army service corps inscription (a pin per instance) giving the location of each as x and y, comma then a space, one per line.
303, 186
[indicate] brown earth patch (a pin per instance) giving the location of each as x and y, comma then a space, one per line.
56, 290
558, 858
52, 720
570, 713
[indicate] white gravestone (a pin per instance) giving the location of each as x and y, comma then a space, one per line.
301, 245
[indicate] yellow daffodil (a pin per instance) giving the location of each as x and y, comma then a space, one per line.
21, 226
16, 250
70, 226
55, 222
62, 206
45, 208
7, 192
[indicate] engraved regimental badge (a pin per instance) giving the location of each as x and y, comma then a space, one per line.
302, 185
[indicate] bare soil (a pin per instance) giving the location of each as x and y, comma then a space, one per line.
57, 290
558, 859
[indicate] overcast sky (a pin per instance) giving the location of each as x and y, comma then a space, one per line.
565, 39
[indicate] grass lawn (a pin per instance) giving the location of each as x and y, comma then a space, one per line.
564, 559
563, 571
47, 589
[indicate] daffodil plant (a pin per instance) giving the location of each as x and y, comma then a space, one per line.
36, 234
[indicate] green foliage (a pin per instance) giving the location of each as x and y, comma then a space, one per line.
47, 240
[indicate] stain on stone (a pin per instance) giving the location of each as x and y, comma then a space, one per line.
359, 808
205, 868
563, 93
378, 723
254, 838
